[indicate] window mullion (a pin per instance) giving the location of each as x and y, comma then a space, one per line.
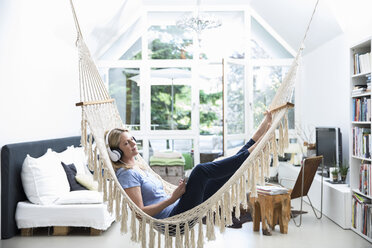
145, 90
248, 76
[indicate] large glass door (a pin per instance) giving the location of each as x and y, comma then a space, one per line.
235, 111
124, 88
210, 110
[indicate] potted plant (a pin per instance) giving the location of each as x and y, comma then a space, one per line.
343, 172
335, 175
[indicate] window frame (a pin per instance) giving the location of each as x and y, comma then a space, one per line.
145, 64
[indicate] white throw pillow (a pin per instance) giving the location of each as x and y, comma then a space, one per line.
80, 197
44, 179
76, 156
87, 181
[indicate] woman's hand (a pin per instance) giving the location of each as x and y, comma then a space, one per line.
179, 191
269, 117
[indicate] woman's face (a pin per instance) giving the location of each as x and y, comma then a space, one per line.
128, 145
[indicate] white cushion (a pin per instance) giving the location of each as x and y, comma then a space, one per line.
76, 156
87, 181
43, 178
80, 197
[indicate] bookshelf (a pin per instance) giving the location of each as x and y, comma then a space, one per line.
360, 139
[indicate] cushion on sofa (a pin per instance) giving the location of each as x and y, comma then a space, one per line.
87, 181
70, 170
43, 178
80, 197
76, 156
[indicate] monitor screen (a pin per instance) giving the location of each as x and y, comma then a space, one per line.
328, 144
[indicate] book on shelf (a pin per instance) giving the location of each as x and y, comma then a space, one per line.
365, 179
362, 63
361, 142
368, 83
271, 190
361, 218
361, 108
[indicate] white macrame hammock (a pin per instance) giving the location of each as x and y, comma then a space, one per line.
99, 114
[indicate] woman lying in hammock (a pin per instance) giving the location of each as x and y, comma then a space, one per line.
146, 191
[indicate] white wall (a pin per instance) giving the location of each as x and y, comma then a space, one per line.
38, 71
324, 92
38, 68
354, 17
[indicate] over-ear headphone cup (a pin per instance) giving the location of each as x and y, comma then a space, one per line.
115, 154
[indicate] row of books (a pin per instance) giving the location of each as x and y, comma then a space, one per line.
362, 63
361, 142
271, 190
361, 109
362, 214
365, 179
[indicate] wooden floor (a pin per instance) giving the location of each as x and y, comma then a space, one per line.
312, 233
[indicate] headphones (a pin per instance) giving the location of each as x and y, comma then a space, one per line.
115, 153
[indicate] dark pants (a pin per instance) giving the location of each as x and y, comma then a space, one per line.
207, 178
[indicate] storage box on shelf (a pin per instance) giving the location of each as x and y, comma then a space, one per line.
360, 139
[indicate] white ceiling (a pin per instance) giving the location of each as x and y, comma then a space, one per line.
288, 18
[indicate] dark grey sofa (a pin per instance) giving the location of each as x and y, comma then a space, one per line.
12, 157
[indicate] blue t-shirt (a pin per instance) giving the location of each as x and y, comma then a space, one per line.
151, 188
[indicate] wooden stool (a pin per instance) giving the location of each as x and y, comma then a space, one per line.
271, 210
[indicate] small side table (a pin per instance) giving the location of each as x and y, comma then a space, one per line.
271, 210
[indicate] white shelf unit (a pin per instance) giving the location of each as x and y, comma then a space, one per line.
361, 122
336, 197
356, 161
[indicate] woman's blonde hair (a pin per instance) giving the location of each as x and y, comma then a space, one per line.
114, 142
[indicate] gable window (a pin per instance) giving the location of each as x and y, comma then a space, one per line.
195, 93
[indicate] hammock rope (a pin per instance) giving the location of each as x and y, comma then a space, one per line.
99, 114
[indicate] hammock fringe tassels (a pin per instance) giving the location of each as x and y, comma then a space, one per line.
100, 114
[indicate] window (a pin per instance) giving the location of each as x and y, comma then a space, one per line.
170, 68
170, 99
124, 89
266, 80
264, 45
210, 99
235, 99
169, 42
235, 143
134, 52
270, 64
225, 41
140, 146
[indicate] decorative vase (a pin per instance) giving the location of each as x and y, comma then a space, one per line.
343, 178
335, 178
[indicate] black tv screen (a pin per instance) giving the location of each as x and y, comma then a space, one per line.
328, 144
